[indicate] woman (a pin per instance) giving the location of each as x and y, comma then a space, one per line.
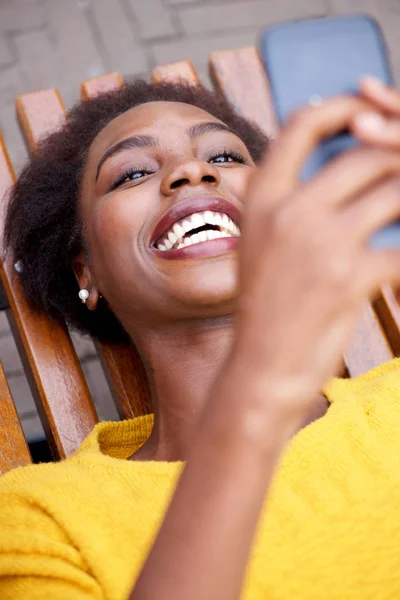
135, 210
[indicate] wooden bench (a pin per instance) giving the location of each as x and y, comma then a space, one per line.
54, 373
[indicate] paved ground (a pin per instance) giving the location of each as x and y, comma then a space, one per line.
58, 43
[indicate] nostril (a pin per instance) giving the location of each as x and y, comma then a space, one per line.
178, 183
208, 179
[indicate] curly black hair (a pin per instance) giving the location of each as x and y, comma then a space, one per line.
43, 229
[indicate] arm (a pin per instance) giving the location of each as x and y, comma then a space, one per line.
204, 543
305, 273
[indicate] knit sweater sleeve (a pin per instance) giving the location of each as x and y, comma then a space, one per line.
37, 560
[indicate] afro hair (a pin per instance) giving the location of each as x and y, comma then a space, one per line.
43, 229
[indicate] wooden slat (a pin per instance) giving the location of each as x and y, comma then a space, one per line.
14, 451
39, 113
122, 364
180, 70
52, 367
240, 76
370, 347
127, 379
7, 178
388, 311
100, 85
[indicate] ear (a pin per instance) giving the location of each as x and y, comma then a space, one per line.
85, 280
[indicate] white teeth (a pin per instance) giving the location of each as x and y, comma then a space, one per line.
209, 216
218, 219
226, 221
202, 236
197, 220
178, 231
186, 225
168, 244
172, 237
195, 238
175, 237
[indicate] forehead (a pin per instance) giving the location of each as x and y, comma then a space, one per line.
157, 118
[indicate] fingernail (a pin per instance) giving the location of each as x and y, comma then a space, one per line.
373, 82
371, 122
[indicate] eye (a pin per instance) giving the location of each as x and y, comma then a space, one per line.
131, 174
226, 156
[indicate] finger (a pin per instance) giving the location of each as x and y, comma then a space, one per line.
349, 175
371, 128
304, 131
373, 210
385, 97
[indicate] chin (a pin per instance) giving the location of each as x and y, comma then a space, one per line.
213, 292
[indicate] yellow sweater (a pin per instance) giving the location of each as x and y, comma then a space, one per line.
82, 528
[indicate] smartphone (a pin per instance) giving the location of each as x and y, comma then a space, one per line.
313, 59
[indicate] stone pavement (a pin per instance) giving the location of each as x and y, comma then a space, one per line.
59, 43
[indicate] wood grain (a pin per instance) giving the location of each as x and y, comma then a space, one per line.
14, 451
370, 346
180, 70
39, 113
100, 85
240, 76
52, 367
388, 311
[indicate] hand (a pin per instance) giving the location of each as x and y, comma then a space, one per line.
305, 266
381, 130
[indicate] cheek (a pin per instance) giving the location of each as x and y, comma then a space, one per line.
237, 181
117, 228
119, 216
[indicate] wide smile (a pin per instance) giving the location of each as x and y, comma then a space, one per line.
191, 232
196, 228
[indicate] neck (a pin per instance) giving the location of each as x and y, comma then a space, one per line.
182, 363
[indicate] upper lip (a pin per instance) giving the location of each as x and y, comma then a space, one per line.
193, 205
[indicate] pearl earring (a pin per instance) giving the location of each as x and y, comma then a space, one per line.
83, 295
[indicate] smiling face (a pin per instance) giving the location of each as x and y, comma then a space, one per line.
156, 176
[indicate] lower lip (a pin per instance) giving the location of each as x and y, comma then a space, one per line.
200, 250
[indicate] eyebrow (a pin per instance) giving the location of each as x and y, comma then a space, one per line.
149, 141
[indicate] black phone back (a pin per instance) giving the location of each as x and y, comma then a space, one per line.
310, 60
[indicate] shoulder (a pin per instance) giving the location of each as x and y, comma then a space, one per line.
34, 541
371, 400
25, 502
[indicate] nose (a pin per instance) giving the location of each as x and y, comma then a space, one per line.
192, 172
